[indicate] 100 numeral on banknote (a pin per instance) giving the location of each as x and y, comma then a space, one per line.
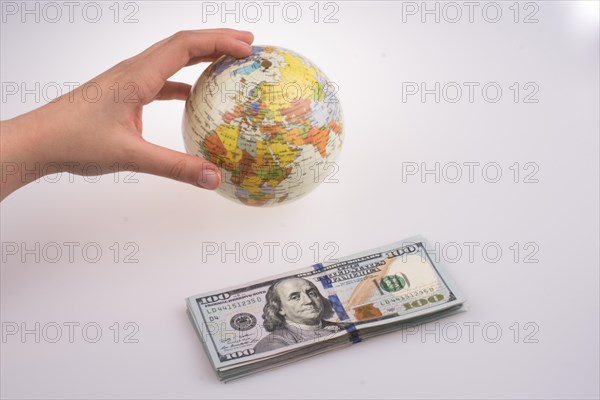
322, 306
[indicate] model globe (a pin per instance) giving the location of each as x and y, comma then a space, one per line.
271, 122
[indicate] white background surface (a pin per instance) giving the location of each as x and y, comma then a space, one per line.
369, 53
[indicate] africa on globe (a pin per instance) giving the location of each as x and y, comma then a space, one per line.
271, 122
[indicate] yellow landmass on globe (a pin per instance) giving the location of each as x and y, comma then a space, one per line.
228, 135
284, 153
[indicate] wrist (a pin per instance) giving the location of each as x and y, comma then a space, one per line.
24, 152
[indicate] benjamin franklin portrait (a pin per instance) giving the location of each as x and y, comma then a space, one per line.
295, 312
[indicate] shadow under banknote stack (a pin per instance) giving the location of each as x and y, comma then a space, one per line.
280, 319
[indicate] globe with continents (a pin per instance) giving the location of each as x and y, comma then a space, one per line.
271, 122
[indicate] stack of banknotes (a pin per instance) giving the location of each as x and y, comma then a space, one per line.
264, 324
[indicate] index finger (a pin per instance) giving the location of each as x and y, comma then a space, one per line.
175, 52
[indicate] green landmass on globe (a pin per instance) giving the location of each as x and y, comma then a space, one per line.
270, 121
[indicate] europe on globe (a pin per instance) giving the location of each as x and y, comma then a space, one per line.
271, 122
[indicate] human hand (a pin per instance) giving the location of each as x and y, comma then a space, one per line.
72, 132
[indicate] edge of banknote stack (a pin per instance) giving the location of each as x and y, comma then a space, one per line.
267, 323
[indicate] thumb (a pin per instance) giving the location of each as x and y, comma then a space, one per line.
157, 160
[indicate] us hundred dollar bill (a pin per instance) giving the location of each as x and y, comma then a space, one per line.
263, 324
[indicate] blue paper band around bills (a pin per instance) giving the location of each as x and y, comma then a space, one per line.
337, 306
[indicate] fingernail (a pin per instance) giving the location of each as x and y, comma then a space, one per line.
209, 178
